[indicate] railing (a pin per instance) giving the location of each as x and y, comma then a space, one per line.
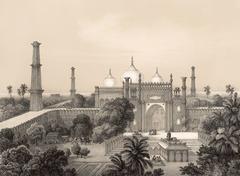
113, 143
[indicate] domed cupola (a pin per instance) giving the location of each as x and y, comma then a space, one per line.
132, 73
157, 78
109, 81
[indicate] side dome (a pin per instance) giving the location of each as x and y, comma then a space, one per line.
132, 73
156, 77
109, 81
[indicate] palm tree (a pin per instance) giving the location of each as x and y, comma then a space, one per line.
226, 137
19, 92
9, 88
177, 91
118, 166
23, 89
230, 89
207, 90
135, 152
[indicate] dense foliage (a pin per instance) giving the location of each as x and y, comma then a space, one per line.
222, 155
82, 127
20, 161
113, 119
133, 160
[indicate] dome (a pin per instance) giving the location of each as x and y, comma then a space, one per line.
157, 78
132, 73
109, 81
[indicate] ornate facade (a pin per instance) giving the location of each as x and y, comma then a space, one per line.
157, 105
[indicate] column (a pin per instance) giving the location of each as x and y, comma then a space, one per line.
36, 82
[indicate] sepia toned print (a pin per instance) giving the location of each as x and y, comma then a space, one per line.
119, 88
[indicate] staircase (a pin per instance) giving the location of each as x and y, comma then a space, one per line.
193, 144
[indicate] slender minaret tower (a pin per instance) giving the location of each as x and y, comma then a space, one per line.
193, 84
184, 89
126, 88
140, 88
36, 82
73, 89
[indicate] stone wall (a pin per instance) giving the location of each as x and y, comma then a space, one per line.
69, 114
196, 115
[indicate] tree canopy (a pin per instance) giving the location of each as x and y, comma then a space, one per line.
113, 118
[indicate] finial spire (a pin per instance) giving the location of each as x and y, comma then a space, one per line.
132, 60
157, 70
110, 72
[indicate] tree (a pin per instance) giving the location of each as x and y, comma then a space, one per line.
177, 91
70, 172
135, 152
67, 152
158, 172
9, 88
84, 152
191, 170
36, 132
234, 168
223, 149
82, 126
7, 133
229, 89
19, 92
5, 144
118, 166
207, 90
113, 119
76, 149
218, 100
78, 101
53, 162
22, 90
20, 155
10, 169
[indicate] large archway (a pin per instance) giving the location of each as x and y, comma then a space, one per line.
156, 118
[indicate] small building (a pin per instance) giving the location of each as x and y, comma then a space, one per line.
53, 138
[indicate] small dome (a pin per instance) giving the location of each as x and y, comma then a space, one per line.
132, 73
157, 78
109, 81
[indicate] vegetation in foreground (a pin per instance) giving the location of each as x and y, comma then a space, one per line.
133, 160
222, 156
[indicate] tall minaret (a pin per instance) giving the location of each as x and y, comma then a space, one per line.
36, 82
73, 89
184, 89
193, 84
126, 88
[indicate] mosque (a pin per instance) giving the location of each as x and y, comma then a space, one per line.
157, 104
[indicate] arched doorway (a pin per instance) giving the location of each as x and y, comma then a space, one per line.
155, 118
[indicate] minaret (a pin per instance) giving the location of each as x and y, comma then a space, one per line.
36, 82
140, 88
184, 90
126, 88
73, 89
193, 84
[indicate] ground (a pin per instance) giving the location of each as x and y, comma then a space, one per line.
94, 164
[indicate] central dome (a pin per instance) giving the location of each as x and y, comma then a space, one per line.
109, 81
157, 78
132, 73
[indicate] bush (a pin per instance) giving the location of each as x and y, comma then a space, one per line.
68, 152
76, 149
84, 152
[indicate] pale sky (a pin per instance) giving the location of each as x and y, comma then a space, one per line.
95, 35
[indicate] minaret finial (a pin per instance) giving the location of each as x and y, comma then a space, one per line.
157, 70
132, 60
110, 71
